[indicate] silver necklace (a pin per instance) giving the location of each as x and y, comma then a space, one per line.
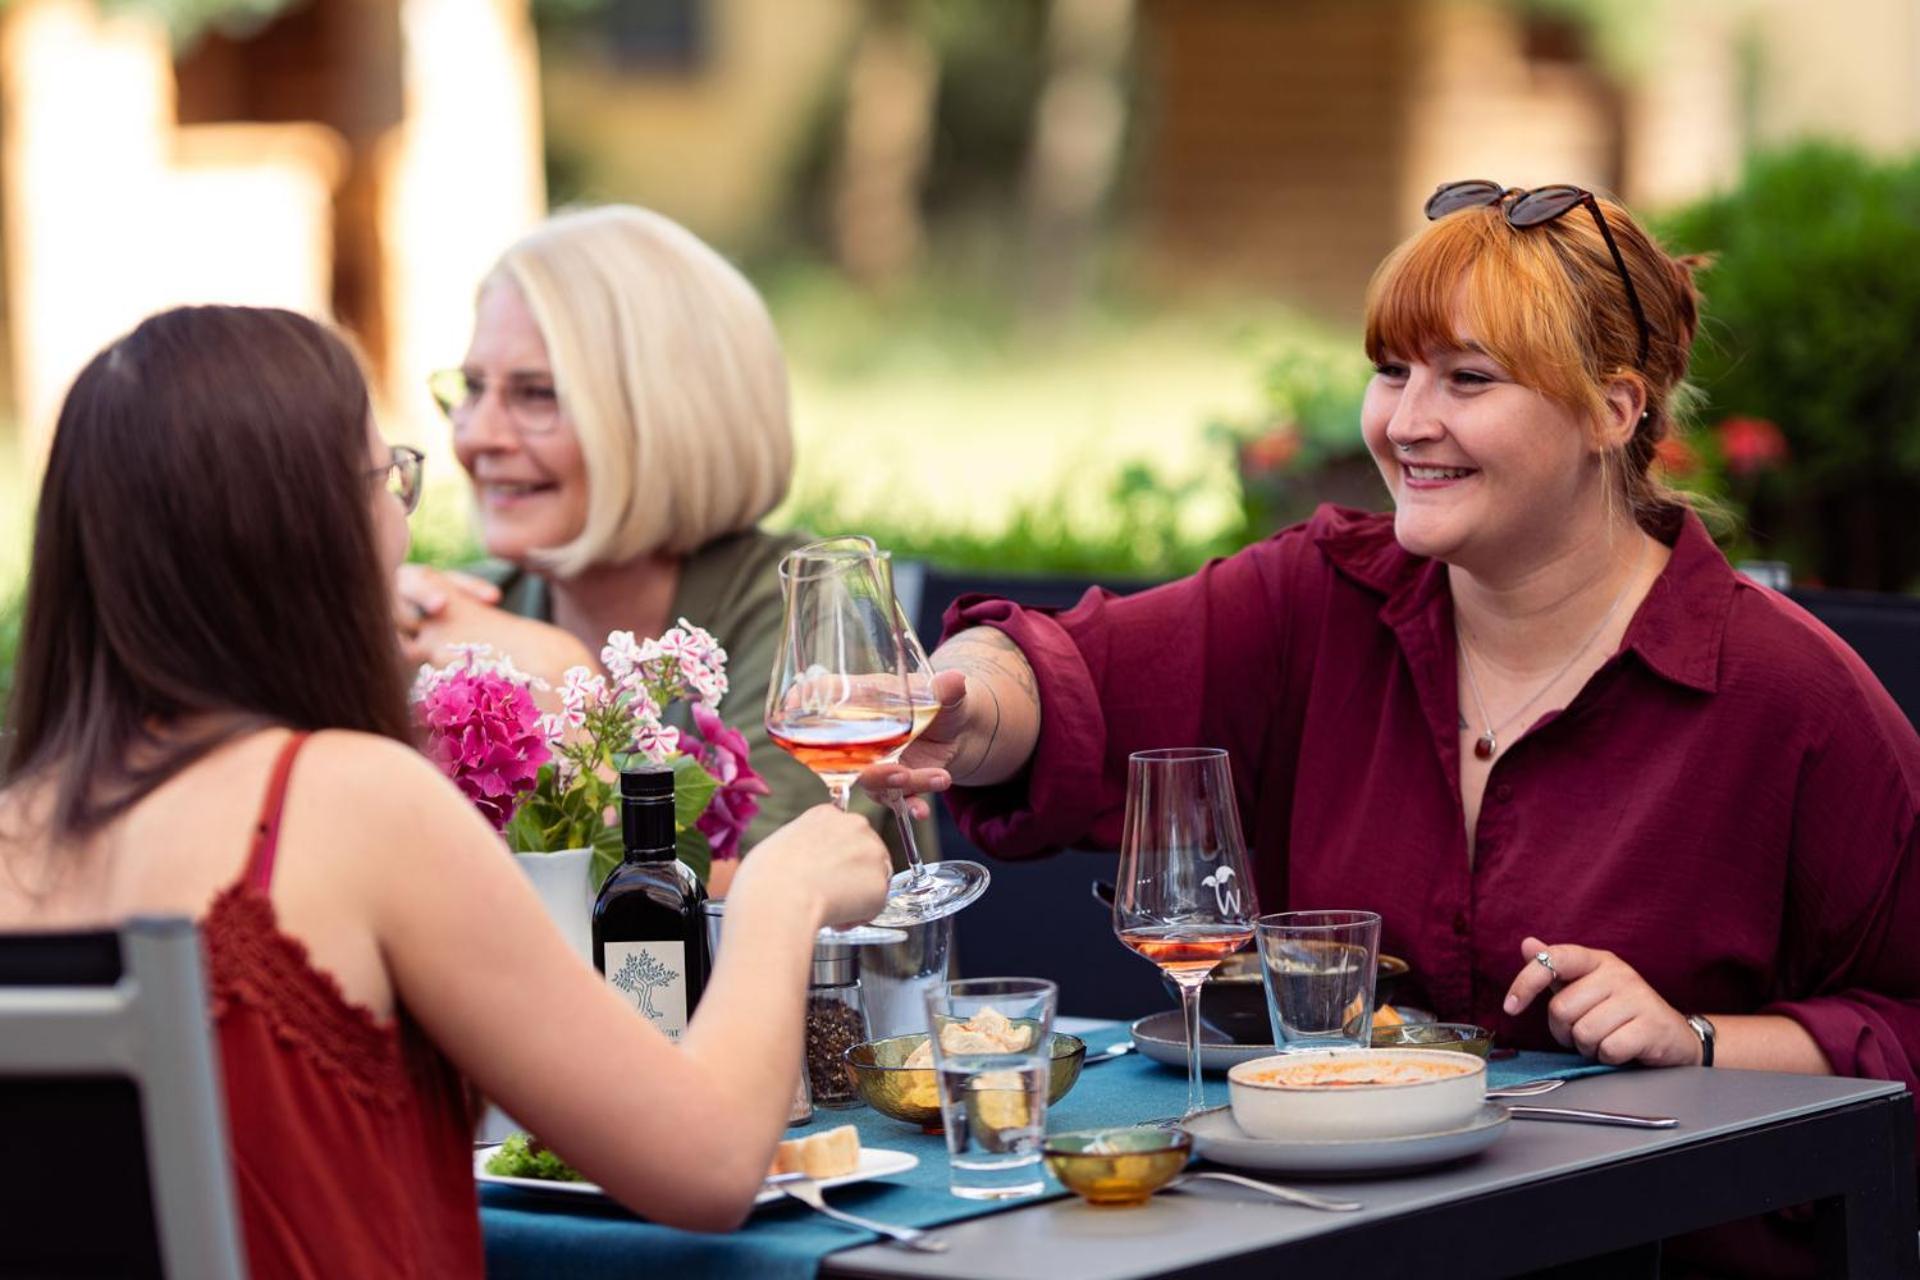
1488, 742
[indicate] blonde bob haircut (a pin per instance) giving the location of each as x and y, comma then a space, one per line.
1547, 303
668, 367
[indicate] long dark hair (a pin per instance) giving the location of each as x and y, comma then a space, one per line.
204, 548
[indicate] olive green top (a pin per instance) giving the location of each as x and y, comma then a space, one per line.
731, 588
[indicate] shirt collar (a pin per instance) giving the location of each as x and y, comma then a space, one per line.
1677, 631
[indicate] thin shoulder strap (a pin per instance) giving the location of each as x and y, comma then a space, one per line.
266, 835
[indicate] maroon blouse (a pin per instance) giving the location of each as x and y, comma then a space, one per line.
351, 1138
1729, 804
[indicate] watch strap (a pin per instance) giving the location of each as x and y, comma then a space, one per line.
1702, 1028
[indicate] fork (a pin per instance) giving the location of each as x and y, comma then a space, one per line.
807, 1192
1289, 1194
1527, 1089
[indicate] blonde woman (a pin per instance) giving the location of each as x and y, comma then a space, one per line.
622, 411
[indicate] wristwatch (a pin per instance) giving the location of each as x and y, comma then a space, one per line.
1703, 1029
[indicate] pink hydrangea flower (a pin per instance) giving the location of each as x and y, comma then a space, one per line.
722, 752
484, 732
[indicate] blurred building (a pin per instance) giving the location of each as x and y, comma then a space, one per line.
362, 159
1294, 143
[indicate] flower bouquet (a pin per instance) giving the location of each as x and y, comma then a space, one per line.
550, 782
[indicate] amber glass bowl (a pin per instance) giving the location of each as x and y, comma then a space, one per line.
910, 1094
1117, 1166
1462, 1037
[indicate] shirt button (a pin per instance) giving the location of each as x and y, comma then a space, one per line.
1503, 791
1460, 923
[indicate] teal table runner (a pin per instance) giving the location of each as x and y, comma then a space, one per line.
529, 1234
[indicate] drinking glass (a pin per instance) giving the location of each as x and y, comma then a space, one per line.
1318, 967
838, 700
922, 892
991, 1041
1183, 897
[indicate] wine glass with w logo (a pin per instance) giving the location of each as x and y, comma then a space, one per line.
1184, 898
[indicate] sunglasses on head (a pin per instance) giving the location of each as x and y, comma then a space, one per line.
1524, 208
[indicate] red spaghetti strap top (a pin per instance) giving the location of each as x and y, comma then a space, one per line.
351, 1138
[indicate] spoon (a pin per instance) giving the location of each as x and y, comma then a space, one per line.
1109, 1053
1278, 1192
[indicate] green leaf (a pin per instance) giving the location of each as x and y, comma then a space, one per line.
692, 848
693, 788
524, 834
606, 855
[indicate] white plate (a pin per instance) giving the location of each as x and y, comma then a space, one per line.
1163, 1037
875, 1162
1216, 1137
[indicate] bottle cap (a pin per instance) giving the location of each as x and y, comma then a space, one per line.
647, 782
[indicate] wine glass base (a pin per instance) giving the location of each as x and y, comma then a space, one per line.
860, 935
938, 889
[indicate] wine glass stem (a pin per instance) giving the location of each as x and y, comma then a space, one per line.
841, 791
1190, 1006
897, 801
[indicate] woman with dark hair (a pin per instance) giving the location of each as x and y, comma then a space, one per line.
367, 944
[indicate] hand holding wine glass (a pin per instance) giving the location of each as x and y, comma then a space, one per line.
1184, 898
920, 893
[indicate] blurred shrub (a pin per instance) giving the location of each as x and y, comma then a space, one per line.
10, 610
1142, 539
1304, 447
1807, 360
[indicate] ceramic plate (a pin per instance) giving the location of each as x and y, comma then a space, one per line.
1163, 1037
1216, 1137
875, 1162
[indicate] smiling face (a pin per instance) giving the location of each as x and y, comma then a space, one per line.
531, 488
1483, 470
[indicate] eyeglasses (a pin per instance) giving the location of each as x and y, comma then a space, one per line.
402, 476
532, 404
1535, 208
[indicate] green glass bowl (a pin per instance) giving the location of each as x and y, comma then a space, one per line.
1462, 1037
1117, 1166
909, 1093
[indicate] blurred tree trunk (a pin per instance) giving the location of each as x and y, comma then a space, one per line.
1079, 124
887, 136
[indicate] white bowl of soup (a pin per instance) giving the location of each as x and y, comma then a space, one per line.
1331, 1094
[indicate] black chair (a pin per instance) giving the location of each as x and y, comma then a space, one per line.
1038, 919
1883, 630
113, 1142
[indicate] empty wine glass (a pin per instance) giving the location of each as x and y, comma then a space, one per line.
1183, 897
923, 891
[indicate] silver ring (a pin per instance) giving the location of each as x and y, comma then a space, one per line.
1545, 961
1404, 446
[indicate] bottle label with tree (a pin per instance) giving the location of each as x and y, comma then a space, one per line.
653, 976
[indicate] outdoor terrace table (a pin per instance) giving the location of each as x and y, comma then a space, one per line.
1546, 1193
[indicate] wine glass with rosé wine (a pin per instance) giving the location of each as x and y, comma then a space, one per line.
922, 892
838, 701
1184, 898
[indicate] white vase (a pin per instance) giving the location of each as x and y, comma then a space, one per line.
564, 881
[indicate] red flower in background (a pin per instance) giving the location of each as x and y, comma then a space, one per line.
1270, 451
1751, 445
1676, 457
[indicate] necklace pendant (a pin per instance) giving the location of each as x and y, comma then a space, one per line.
1484, 746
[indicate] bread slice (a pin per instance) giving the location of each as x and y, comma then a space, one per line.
830, 1154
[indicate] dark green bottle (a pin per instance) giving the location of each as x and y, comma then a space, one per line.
649, 938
